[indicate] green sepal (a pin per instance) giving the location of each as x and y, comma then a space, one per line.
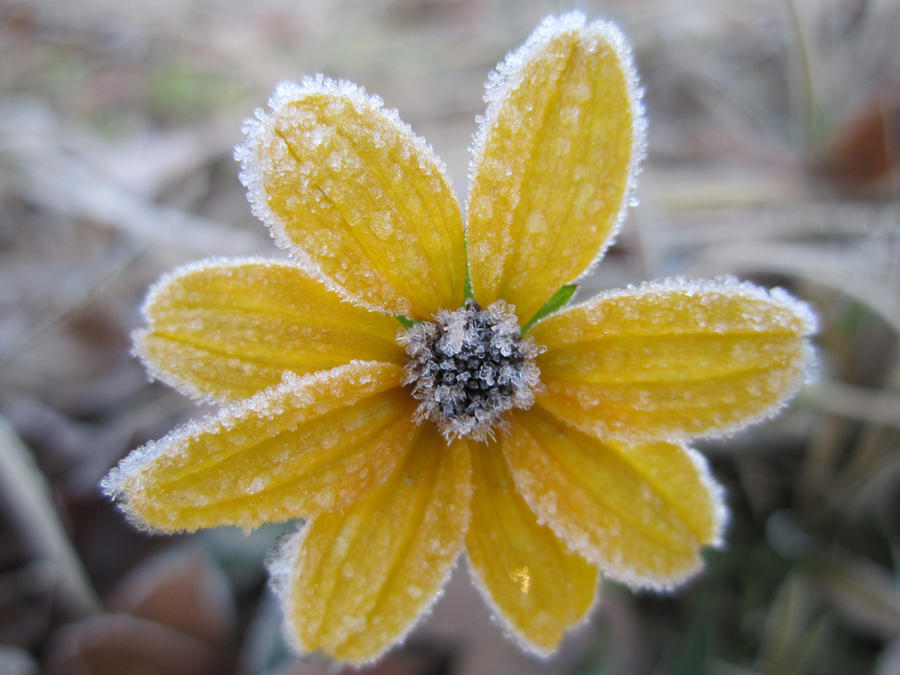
559, 299
407, 323
468, 291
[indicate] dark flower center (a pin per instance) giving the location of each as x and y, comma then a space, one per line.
470, 366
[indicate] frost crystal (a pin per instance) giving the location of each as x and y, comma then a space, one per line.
470, 366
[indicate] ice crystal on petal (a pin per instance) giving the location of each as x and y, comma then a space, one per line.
313, 153
510, 74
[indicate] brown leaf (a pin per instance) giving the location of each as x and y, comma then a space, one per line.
863, 593
865, 151
182, 590
111, 644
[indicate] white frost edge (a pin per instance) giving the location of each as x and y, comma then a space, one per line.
508, 76
717, 493
724, 284
511, 633
256, 128
720, 284
159, 288
115, 484
639, 582
620, 572
281, 564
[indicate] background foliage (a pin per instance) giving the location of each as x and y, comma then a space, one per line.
774, 141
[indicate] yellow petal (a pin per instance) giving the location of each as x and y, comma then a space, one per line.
226, 329
353, 582
673, 359
356, 197
311, 444
640, 512
537, 586
553, 161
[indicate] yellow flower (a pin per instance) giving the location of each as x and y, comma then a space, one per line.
552, 454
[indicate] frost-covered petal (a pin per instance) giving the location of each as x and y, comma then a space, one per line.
353, 582
226, 329
537, 587
640, 512
313, 443
356, 197
673, 359
553, 161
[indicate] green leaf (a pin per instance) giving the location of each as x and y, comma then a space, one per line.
559, 299
468, 291
407, 323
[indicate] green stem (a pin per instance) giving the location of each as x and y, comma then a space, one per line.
468, 291
559, 299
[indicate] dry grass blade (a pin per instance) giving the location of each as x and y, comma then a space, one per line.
27, 496
794, 635
865, 595
877, 407
867, 273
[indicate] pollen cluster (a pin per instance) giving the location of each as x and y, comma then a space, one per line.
468, 367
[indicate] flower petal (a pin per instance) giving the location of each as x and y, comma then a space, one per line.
640, 512
535, 584
554, 161
352, 583
311, 444
356, 197
226, 329
673, 359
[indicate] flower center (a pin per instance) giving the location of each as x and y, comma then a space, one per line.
468, 367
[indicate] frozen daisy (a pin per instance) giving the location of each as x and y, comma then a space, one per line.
412, 387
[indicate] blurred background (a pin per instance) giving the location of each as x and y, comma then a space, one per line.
773, 154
